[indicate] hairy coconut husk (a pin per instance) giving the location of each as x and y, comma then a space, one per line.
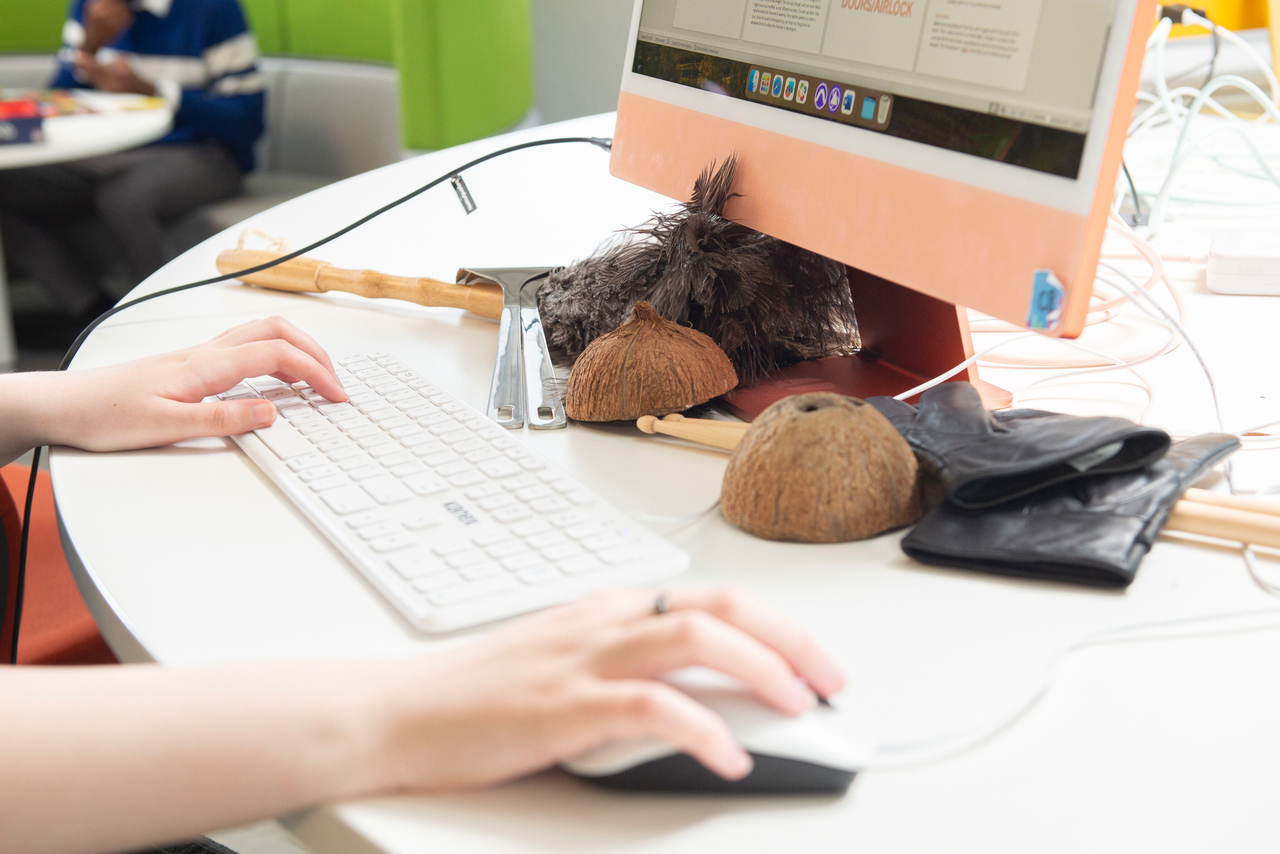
821, 468
765, 302
647, 366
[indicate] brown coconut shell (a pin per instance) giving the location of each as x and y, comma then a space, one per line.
821, 468
647, 366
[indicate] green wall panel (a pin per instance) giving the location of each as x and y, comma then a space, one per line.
31, 26
266, 19
466, 68
346, 29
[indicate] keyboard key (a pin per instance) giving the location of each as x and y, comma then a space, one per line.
450, 469
329, 482
581, 498
493, 502
553, 504
402, 394
481, 455
322, 436
455, 437
386, 490
513, 513
405, 469
451, 406
307, 461
579, 565
409, 405
285, 441
425, 484
385, 450
546, 539
476, 571
340, 444
317, 472
530, 493
367, 471
263, 384
437, 581
472, 590
484, 490
377, 405
521, 561
571, 518
457, 560
421, 411
532, 464
469, 478
562, 552
399, 459
406, 429
364, 431
352, 463
530, 528
419, 439
363, 397
622, 554
331, 409
395, 542
517, 483
347, 499
369, 517
388, 418
538, 574
500, 468
376, 530
420, 520
470, 445
487, 536
510, 548
603, 541
563, 485
439, 430
586, 529
278, 393
445, 546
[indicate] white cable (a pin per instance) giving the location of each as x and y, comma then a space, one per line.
925, 752
1191, 19
939, 380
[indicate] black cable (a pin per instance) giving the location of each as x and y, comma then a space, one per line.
599, 142
1139, 217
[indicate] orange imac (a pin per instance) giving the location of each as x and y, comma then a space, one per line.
951, 152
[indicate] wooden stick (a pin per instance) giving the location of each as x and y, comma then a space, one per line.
307, 275
1225, 523
1249, 503
1241, 519
724, 435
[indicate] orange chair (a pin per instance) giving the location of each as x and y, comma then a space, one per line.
57, 628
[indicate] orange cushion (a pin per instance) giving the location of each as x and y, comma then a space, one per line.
57, 627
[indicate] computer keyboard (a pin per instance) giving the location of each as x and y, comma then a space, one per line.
451, 517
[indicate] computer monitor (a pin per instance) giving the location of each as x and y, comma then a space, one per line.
964, 149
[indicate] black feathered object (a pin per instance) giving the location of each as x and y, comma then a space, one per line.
766, 303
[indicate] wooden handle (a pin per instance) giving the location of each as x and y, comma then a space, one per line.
1248, 503
724, 435
1241, 519
307, 275
1225, 523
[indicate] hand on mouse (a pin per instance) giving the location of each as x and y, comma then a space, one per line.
555, 685
158, 400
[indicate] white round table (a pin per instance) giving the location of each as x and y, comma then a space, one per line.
122, 122
188, 555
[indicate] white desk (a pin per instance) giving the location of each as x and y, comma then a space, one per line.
188, 555
69, 138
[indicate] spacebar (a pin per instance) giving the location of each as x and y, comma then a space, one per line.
284, 441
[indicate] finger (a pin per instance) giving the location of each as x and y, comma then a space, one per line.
222, 418
741, 610
642, 709
220, 369
650, 648
277, 327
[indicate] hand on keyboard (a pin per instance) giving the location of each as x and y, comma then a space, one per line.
157, 400
551, 687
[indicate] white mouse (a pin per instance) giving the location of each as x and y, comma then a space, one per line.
815, 752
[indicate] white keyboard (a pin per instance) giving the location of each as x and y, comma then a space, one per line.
447, 514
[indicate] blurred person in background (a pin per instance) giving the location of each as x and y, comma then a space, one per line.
198, 55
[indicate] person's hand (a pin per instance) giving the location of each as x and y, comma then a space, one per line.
115, 76
104, 21
157, 400
555, 685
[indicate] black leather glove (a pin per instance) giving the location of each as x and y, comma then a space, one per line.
1093, 530
983, 458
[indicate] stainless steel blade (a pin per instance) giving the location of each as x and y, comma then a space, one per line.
543, 401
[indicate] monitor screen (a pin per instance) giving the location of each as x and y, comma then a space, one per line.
1013, 81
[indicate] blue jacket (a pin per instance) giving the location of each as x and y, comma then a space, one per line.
200, 55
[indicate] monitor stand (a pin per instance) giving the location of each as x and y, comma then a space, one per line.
907, 338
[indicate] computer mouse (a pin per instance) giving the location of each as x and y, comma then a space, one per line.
818, 752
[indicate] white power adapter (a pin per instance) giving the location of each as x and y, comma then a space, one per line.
1245, 261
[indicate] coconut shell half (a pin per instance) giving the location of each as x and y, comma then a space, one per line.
647, 366
821, 468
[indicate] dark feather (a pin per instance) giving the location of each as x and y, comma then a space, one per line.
766, 303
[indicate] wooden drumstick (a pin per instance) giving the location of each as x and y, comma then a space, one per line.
307, 275
1241, 519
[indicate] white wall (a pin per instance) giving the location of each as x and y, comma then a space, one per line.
579, 47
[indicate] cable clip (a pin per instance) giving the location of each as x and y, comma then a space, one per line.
464, 194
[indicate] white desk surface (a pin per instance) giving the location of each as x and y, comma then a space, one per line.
91, 134
191, 556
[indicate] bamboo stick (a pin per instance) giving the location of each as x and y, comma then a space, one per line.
1225, 523
1249, 503
307, 275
